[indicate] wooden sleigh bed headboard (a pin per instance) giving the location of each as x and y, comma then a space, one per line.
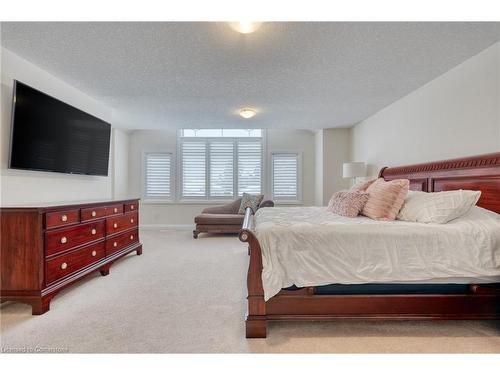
471, 173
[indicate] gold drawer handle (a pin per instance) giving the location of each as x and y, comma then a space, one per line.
93, 213
115, 225
64, 239
94, 253
116, 210
131, 220
64, 218
93, 231
64, 266
131, 236
115, 244
132, 207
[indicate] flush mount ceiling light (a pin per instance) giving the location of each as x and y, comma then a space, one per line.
247, 112
245, 27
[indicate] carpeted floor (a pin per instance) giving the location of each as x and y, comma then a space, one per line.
185, 295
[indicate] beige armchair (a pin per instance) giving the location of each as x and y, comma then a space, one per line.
222, 219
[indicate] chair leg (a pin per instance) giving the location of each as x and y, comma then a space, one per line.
195, 234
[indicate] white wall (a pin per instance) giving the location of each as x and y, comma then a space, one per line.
175, 214
120, 163
318, 168
455, 115
27, 187
333, 149
336, 151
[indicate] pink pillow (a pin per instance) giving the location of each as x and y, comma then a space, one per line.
362, 186
385, 198
347, 203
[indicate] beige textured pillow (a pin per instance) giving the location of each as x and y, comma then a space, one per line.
362, 186
385, 198
250, 200
439, 207
347, 203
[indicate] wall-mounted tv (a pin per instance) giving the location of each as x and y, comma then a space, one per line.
49, 135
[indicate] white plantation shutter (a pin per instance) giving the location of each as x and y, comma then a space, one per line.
193, 166
220, 166
285, 169
158, 175
249, 167
221, 169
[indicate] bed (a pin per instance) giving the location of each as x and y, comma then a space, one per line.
382, 279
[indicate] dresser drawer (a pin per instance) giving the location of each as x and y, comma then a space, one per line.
66, 264
120, 223
93, 213
61, 218
121, 241
64, 239
134, 206
114, 209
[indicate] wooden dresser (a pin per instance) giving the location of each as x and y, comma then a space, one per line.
45, 249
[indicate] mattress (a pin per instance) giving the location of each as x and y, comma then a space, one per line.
309, 246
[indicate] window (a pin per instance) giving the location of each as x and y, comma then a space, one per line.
221, 169
158, 179
193, 155
220, 163
249, 167
285, 176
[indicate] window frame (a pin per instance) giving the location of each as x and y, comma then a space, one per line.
181, 133
207, 199
144, 195
299, 199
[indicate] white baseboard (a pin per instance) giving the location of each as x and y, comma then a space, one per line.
168, 226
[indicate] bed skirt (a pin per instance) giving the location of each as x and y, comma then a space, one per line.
344, 289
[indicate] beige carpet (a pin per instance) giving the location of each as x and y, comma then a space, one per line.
185, 295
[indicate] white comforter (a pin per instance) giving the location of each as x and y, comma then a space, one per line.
309, 246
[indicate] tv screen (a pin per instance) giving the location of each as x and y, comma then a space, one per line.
49, 135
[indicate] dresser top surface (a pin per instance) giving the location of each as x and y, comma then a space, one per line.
52, 206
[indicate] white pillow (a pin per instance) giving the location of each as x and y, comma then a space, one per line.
438, 208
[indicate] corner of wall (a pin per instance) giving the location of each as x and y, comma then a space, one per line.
120, 152
336, 151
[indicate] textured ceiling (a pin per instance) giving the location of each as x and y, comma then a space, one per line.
297, 75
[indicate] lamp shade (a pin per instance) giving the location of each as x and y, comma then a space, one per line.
354, 169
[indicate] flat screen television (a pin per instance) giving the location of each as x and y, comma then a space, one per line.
49, 135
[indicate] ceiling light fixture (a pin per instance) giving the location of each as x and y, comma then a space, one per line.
247, 112
245, 27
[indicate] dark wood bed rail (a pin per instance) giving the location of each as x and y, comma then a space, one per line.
476, 173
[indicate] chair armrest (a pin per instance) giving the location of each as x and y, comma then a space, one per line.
266, 203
